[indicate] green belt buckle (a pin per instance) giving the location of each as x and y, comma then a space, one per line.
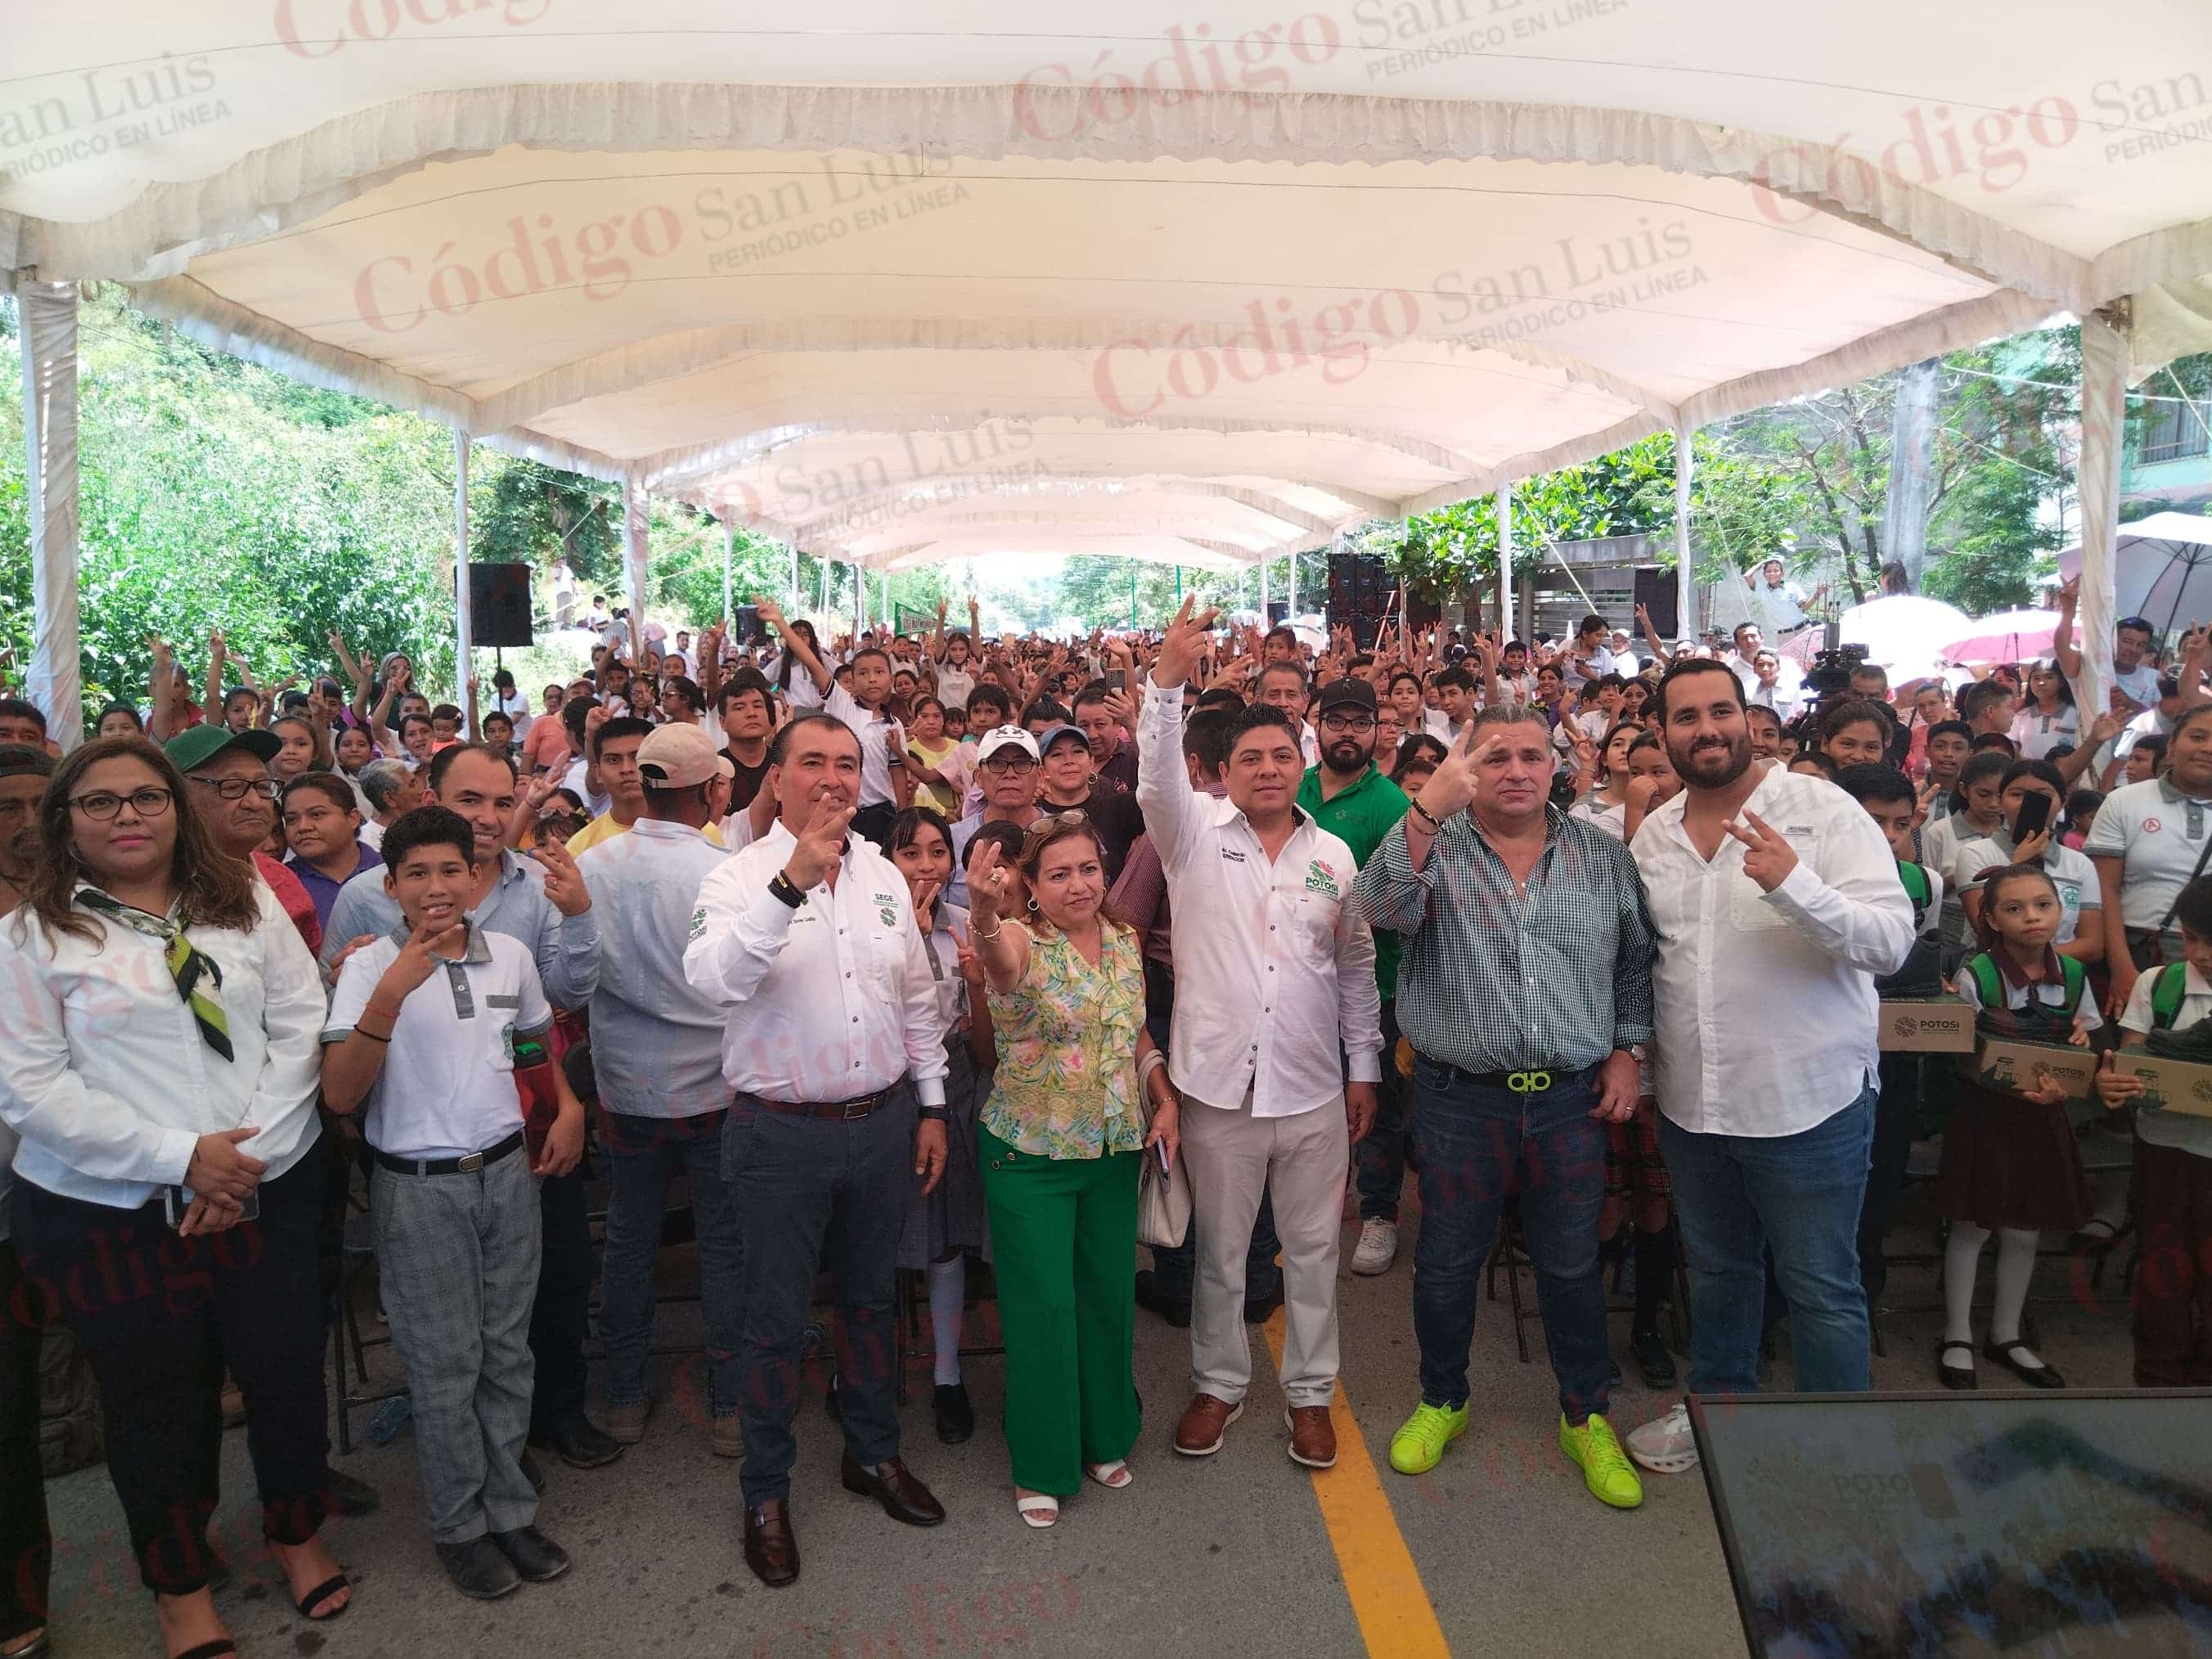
1528, 1083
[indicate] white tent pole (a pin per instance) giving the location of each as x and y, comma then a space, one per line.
637, 522
794, 577
859, 601
1505, 561
464, 635
1263, 596
1291, 610
55, 682
2104, 405
729, 542
883, 592
1685, 621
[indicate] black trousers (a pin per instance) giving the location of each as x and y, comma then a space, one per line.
559, 1319
26, 1548
160, 1319
1896, 1114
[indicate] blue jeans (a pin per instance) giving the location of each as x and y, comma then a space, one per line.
642, 1154
1475, 1146
1379, 1157
1802, 1194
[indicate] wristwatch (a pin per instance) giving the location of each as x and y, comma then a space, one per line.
781, 886
1638, 1052
934, 1114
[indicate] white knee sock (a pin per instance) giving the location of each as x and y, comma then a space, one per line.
1960, 1258
948, 1295
2015, 1267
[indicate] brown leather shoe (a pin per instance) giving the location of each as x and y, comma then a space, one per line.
1205, 1426
1313, 1437
771, 1547
896, 1488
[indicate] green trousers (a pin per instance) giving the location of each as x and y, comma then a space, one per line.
1063, 1236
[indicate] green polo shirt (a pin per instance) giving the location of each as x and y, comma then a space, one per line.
1360, 817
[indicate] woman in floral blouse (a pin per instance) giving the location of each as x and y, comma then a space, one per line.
1059, 1140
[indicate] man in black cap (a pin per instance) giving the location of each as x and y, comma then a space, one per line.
1350, 798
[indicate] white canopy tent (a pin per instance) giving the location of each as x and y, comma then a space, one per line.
903, 287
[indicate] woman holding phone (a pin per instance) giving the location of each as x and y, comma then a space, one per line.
1059, 1140
162, 1031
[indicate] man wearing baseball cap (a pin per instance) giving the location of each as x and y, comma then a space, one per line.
656, 1050
23, 774
1069, 767
1008, 774
237, 800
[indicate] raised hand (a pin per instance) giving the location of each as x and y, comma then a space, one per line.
925, 901
987, 887
1454, 783
1767, 858
1183, 642
819, 847
564, 882
771, 614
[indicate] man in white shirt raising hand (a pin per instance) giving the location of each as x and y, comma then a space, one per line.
1274, 970
1776, 901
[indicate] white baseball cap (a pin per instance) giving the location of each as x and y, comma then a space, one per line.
1005, 737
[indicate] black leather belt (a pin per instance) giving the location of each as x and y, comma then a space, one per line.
469, 1165
858, 1106
1525, 1080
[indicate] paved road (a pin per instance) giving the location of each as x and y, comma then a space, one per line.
1500, 1552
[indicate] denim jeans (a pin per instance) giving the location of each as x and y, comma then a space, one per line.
1381, 1157
1802, 1194
642, 1154
1475, 1147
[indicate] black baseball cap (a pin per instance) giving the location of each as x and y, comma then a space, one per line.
1348, 693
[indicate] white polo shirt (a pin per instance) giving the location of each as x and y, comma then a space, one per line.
447, 1086
2175, 1129
2158, 834
2070, 872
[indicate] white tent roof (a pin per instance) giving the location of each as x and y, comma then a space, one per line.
905, 284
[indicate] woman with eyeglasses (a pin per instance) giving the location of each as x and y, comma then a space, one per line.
1059, 1140
162, 1031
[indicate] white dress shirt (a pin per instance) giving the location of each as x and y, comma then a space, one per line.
107, 1078
656, 1042
825, 1003
1272, 964
875, 733
1767, 1017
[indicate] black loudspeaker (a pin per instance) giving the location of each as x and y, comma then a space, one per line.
499, 605
1655, 591
745, 626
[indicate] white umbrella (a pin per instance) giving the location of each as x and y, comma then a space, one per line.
2161, 569
1904, 633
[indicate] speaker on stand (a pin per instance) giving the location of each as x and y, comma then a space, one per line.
499, 605
1655, 591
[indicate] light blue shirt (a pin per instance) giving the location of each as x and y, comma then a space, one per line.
656, 1042
566, 948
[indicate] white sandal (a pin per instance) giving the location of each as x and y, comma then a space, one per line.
1113, 1476
1039, 1510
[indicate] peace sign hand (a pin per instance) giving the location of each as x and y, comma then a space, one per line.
1183, 644
1454, 781
819, 846
1767, 858
987, 884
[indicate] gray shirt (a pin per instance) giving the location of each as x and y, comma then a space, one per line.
656, 1042
567, 948
1493, 978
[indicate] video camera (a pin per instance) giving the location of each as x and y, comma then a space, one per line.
1831, 673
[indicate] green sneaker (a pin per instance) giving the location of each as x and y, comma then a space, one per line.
1606, 1468
1418, 1445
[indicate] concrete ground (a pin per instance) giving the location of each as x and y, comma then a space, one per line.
1499, 1552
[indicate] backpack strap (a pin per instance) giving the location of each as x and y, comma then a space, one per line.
1915, 889
2166, 994
1986, 982
2076, 976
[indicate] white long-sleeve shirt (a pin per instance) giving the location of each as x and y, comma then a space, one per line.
1272, 964
875, 733
106, 1077
1768, 1022
827, 1002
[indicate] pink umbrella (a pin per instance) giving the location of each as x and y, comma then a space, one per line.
2007, 636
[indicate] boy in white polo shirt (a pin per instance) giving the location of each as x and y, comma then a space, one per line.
422, 1028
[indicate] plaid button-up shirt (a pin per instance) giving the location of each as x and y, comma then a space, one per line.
1496, 977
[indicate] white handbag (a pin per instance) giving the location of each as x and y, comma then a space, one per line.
1163, 1195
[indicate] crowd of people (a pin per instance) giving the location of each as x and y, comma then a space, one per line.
927, 952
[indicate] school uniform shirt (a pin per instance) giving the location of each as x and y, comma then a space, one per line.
572, 782
954, 685
2159, 834
2037, 734
874, 732
447, 1086
2050, 993
1273, 962
1613, 820
656, 1042
106, 1077
2070, 872
828, 1002
2176, 1130
1768, 1024
2151, 723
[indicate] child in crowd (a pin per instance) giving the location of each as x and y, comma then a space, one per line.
2080, 813
1813, 763
424, 1030
1980, 792
1950, 743
1888, 798
2170, 1014
2010, 1162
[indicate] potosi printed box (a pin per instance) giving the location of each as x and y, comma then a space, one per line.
2171, 1085
1926, 1025
2000, 1064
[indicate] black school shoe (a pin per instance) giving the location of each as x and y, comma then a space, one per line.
1153, 1299
478, 1570
1653, 1359
535, 1556
956, 1413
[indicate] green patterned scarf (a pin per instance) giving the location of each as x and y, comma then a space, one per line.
199, 981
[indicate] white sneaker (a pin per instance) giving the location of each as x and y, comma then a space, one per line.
1378, 1246
1665, 1444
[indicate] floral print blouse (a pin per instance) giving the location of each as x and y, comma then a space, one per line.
1066, 1082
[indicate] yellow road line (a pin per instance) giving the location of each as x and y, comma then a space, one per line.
1384, 1586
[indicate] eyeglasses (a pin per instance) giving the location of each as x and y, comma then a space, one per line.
1358, 725
239, 788
1048, 823
101, 804
1017, 762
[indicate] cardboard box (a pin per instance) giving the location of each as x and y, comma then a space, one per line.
2173, 1086
2011, 1065
1926, 1025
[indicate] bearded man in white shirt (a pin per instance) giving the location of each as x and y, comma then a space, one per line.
1776, 901
1275, 974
